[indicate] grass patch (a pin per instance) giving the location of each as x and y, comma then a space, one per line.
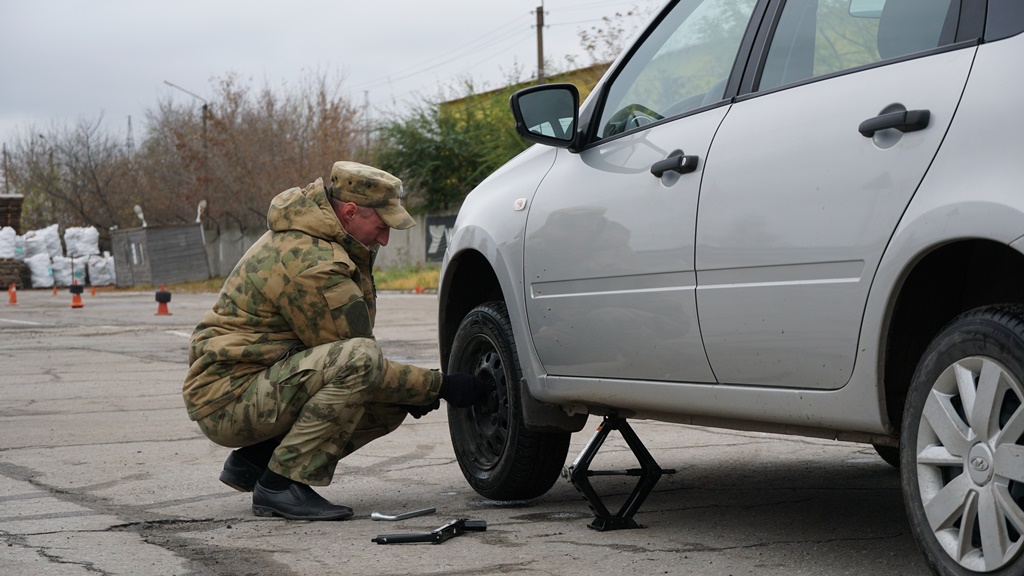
408, 278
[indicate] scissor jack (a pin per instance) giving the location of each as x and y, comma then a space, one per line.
649, 472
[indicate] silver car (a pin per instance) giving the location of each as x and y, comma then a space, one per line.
803, 217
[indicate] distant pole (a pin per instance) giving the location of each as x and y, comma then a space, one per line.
366, 118
130, 141
205, 112
205, 108
540, 43
5, 169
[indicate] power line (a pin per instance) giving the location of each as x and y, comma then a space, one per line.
396, 78
422, 66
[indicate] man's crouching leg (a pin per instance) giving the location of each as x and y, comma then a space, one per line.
313, 402
325, 410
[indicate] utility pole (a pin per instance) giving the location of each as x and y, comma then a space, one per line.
130, 141
6, 186
366, 118
203, 179
205, 109
540, 43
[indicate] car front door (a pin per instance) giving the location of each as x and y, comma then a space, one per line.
808, 177
609, 254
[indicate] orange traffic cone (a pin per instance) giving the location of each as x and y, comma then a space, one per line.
162, 297
54, 289
93, 290
12, 294
76, 298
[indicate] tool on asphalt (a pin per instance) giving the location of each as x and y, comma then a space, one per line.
446, 532
403, 516
12, 295
162, 297
76, 295
649, 472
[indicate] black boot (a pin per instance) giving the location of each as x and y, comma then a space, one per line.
276, 495
240, 473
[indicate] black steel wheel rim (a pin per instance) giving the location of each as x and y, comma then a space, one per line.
487, 421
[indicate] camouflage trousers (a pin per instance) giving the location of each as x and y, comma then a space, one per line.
326, 402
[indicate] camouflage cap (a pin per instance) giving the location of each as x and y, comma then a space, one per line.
373, 188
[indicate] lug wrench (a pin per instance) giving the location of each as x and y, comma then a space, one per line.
413, 514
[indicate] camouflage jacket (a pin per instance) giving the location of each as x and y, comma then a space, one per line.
304, 283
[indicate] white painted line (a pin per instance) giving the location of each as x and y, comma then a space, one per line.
21, 322
176, 333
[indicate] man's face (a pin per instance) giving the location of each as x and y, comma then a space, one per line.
367, 227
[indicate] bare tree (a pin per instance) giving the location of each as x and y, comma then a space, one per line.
250, 146
79, 176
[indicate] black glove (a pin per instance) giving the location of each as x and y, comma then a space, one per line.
418, 411
462, 390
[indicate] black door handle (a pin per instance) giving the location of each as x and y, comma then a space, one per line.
680, 163
906, 121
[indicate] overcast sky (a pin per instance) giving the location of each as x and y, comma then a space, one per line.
66, 60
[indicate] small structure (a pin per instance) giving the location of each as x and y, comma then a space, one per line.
157, 255
10, 211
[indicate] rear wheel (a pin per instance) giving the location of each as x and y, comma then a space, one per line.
499, 457
963, 445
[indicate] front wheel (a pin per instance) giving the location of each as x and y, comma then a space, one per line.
962, 444
499, 457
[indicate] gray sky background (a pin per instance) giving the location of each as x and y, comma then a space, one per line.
66, 60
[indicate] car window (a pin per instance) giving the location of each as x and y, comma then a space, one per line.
818, 37
682, 65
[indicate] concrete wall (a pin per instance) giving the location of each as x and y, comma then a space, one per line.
405, 247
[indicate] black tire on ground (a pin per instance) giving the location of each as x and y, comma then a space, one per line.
499, 457
962, 460
890, 454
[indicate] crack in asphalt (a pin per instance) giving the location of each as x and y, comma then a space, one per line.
14, 540
170, 533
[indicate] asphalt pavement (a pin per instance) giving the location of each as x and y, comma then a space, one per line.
102, 473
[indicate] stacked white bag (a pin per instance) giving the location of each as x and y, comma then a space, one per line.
41, 250
82, 241
83, 246
8, 242
101, 269
39, 267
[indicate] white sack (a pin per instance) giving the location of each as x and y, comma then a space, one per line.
82, 241
7, 242
52, 236
61, 267
101, 270
34, 245
39, 266
19, 248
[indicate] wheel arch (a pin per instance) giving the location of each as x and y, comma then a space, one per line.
469, 280
943, 283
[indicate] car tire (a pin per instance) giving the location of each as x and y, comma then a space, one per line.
962, 460
890, 454
499, 457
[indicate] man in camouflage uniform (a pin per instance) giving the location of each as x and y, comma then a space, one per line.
285, 365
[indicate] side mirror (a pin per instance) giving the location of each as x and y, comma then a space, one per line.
547, 114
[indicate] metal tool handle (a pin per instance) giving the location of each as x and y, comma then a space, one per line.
404, 516
405, 538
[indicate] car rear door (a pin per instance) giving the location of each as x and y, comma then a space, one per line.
808, 177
